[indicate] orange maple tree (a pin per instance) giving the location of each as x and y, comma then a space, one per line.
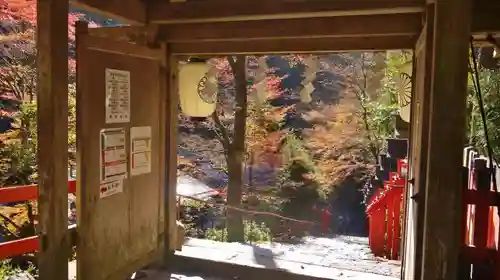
18, 50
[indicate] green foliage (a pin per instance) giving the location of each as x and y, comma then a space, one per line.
296, 179
254, 233
7, 269
293, 150
17, 164
377, 113
72, 116
191, 210
490, 89
28, 123
18, 151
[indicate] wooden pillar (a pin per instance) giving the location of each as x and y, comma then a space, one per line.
447, 127
419, 136
172, 104
52, 104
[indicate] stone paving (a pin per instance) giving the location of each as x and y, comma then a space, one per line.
336, 258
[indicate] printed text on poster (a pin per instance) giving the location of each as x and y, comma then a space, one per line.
111, 188
113, 157
140, 150
117, 96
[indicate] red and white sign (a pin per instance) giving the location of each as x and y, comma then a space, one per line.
113, 158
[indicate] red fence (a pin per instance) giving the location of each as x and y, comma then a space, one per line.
480, 253
480, 256
17, 194
385, 216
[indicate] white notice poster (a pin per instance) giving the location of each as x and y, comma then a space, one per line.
113, 155
117, 96
110, 188
140, 150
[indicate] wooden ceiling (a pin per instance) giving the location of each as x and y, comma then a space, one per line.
275, 25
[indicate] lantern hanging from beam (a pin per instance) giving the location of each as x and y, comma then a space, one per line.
404, 87
197, 88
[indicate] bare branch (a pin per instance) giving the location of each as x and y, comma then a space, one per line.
7, 219
224, 135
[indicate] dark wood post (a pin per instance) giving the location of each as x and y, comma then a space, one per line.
52, 103
443, 202
171, 100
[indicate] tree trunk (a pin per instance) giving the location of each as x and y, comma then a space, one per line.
235, 229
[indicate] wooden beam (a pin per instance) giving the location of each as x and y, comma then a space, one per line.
140, 35
484, 21
127, 12
52, 119
286, 46
244, 10
397, 24
443, 232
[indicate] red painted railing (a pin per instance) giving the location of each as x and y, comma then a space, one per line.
17, 194
385, 216
480, 253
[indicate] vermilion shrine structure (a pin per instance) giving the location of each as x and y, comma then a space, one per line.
110, 243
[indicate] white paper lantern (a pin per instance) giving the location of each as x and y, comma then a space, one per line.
404, 87
197, 89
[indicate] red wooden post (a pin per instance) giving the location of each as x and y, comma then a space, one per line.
465, 264
370, 211
482, 181
390, 222
465, 208
379, 235
397, 220
482, 269
492, 227
370, 231
384, 211
325, 217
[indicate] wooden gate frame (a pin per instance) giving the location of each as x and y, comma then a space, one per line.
418, 144
448, 89
315, 45
131, 216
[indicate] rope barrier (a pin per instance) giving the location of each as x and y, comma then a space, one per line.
251, 212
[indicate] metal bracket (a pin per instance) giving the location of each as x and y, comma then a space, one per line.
416, 197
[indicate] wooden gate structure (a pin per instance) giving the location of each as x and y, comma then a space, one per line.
131, 235
125, 228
